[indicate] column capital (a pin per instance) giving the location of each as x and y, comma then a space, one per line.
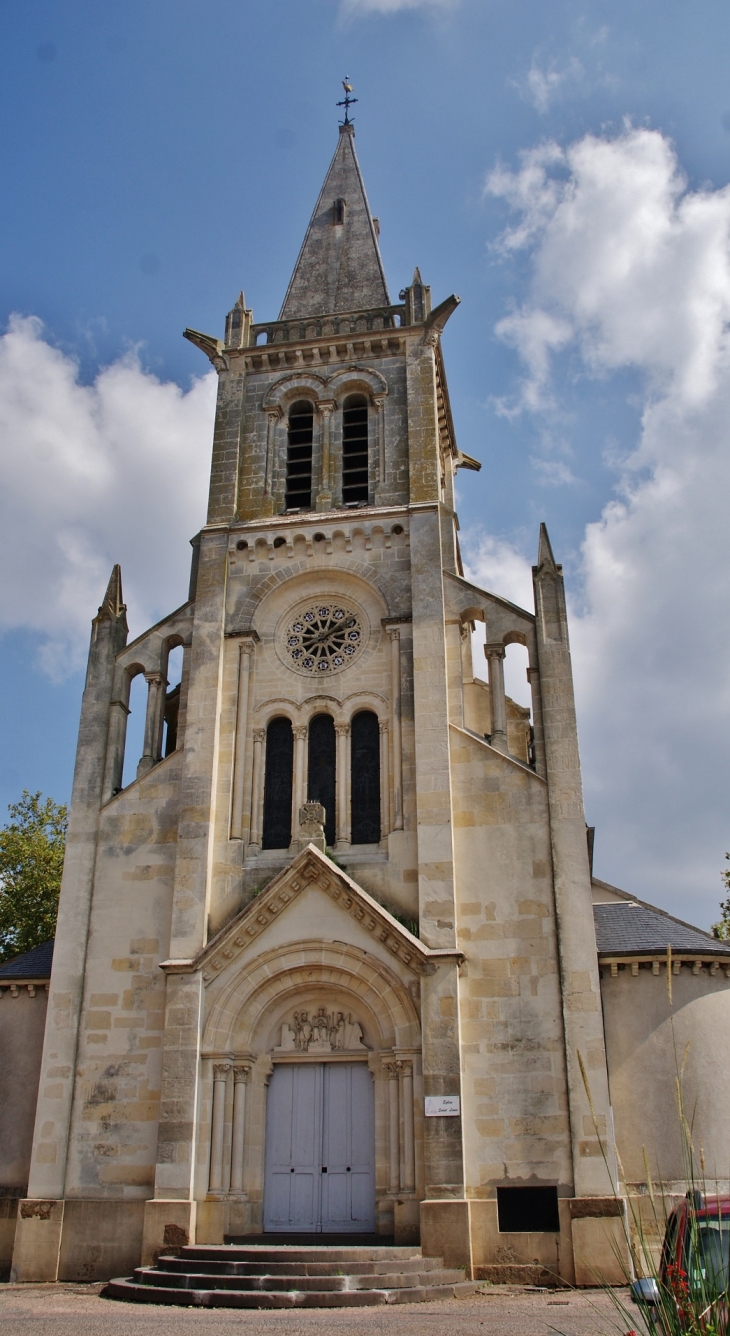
533, 674
299, 732
390, 1067
326, 407
241, 1071
342, 730
246, 645
274, 413
495, 649
259, 734
155, 679
221, 1070
383, 725
393, 632
405, 1065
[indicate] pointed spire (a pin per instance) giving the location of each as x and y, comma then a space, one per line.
339, 266
238, 324
113, 605
545, 558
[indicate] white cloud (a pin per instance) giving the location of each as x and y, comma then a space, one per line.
352, 8
631, 270
543, 86
91, 475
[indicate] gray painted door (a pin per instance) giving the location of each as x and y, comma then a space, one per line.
320, 1149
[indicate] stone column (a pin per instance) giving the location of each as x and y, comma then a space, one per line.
324, 495
498, 700
342, 732
245, 651
384, 781
114, 766
218, 1125
299, 787
379, 401
395, 718
409, 1155
240, 1079
272, 417
533, 677
153, 724
391, 1071
257, 795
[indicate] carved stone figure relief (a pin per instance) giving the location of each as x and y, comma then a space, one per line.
323, 1032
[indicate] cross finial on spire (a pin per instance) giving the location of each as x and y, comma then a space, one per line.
347, 101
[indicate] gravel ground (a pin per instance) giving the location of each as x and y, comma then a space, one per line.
78, 1310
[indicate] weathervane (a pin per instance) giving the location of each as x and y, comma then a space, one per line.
347, 101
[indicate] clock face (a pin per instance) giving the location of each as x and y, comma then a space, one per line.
323, 637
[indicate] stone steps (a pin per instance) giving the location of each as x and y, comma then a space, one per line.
240, 1276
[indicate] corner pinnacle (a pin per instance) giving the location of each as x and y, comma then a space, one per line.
112, 605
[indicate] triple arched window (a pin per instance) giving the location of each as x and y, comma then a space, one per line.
364, 810
355, 470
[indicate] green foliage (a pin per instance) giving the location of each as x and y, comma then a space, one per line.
32, 846
721, 929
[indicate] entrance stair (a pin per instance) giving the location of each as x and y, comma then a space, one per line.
256, 1276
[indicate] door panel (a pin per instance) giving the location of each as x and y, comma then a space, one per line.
348, 1149
320, 1149
293, 1148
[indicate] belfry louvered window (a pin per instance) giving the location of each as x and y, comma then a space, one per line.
299, 456
355, 450
278, 784
365, 777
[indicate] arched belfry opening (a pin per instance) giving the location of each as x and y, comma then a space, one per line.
278, 784
355, 480
321, 787
300, 435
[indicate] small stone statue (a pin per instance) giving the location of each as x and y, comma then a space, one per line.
311, 826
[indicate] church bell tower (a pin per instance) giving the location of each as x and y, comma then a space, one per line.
349, 886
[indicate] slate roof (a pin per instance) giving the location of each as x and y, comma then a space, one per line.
339, 267
35, 964
632, 928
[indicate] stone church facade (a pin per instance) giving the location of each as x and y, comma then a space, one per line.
329, 965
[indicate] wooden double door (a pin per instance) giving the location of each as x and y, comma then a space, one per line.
320, 1149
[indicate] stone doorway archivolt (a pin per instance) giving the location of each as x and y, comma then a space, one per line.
305, 1002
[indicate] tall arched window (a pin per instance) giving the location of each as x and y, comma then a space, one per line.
365, 788
278, 784
299, 456
355, 449
321, 773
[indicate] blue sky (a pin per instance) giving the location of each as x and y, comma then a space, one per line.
563, 167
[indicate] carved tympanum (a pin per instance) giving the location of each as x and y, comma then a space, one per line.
322, 1032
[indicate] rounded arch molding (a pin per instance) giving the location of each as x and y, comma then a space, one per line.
346, 381
245, 1011
320, 579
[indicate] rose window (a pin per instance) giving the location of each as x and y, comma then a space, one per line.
324, 638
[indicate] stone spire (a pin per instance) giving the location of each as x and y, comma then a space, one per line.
339, 266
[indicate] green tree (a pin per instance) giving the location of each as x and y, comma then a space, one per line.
722, 928
31, 861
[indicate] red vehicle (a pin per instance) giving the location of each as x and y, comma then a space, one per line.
694, 1273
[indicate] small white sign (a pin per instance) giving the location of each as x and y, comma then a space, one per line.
443, 1106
